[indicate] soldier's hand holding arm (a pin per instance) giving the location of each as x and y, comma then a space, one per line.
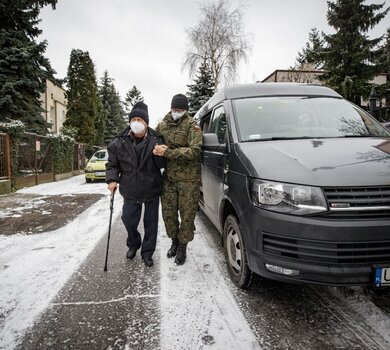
159, 150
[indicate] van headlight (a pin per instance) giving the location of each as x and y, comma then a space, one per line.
288, 198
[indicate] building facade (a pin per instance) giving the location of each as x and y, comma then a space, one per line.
311, 76
54, 104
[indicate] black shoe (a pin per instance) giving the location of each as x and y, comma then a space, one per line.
148, 261
181, 254
173, 249
131, 253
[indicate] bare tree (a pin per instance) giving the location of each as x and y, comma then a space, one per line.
218, 40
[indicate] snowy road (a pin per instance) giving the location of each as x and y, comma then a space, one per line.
54, 294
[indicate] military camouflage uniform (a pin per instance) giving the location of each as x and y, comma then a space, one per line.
182, 175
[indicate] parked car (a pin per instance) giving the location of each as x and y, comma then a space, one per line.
386, 125
96, 166
297, 180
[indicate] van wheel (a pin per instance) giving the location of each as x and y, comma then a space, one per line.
235, 253
88, 180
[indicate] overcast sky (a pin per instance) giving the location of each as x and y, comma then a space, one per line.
142, 43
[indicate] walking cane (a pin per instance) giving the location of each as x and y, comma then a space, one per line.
109, 226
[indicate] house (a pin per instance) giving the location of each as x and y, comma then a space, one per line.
307, 75
54, 104
310, 75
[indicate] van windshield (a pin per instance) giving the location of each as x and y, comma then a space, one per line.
272, 118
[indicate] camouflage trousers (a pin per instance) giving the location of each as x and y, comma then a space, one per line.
180, 198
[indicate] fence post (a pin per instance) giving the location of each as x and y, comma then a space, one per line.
35, 160
372, 99
8, 154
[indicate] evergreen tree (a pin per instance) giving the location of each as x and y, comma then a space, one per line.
349, 56
132, 97
100, 123
23, 68
383, 91
201, 90
310, 54
83, 99
112, 108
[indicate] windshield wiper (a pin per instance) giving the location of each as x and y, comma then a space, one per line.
286, 138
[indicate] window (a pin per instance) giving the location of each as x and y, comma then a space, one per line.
218, 124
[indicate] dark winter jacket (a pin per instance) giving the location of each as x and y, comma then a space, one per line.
139, 179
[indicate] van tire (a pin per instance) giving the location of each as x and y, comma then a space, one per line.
235, 253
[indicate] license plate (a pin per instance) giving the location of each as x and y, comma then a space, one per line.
100, 173
382, 277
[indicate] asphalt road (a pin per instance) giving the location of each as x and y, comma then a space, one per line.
119, 309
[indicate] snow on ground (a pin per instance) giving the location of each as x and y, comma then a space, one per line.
363, 306
197, 307
33, 268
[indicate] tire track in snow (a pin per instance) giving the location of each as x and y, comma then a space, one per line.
198, 309
342, 309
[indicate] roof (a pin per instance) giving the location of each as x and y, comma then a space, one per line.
277, 89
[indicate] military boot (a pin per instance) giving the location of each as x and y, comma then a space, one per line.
173, 249
181, 253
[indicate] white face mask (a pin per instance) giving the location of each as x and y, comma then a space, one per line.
177, 115
137, 127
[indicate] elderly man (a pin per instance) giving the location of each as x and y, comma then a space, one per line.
132, 164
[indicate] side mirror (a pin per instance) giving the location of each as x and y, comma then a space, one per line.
210, 140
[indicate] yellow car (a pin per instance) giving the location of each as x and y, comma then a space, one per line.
96, 166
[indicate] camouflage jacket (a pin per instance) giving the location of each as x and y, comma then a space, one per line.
184, 140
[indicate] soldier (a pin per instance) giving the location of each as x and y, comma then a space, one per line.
183, 139
131, 163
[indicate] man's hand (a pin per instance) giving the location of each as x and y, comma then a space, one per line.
159, 150
112, 186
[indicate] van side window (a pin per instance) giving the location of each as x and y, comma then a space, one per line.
218, 124
205, 123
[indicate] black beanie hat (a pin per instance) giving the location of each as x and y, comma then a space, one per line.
140, 110
180, 101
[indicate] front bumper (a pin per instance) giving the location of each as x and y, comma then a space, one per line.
324, 251
95, 175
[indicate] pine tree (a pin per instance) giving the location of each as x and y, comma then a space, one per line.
23, 68
310, 54
349, 56
112, 108
100, 123
201, 90
83, 98
383, 91
132, 97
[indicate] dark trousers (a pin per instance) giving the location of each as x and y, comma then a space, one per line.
131, 215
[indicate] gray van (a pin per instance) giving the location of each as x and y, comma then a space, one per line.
297, 180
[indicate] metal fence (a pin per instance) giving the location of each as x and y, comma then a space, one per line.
33, 160
5, 157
